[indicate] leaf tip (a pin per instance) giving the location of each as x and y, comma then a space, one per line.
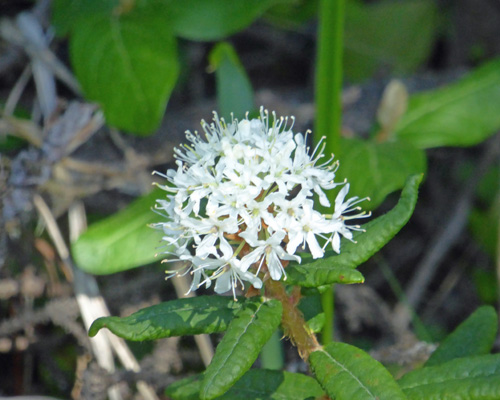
96, 327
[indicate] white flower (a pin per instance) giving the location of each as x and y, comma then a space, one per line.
240, 203
305, 228
268, 250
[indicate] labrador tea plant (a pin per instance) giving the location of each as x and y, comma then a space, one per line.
240, 213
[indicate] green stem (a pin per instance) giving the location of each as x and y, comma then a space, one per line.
329, 74
327, 301
292, 321
329, 105
271, 356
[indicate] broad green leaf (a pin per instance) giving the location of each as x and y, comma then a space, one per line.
469, 378
234, 91
256, 384
348, 373
377, 169
461, 114
214, 19
189, 316
379, 35
337, 268
67, 13
246, 335
128, 64
293, 14
473, 337
122, 241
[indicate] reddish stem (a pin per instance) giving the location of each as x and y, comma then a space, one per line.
292, 320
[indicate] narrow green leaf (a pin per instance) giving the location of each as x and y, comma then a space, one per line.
346, 372
473, 337
122, 241
377, 35
468, 378
325, 271
256, 384
484, 227
185, 389
377, 169
461, 114
127, 63
214, 19
338, 268
486, 285
246, 335
189, 316
234, 91
485, 217
382, 229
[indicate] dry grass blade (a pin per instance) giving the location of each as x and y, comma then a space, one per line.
91, 304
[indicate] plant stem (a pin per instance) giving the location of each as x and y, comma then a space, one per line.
329, 74
271, 355
329, 105
327, 301
292, 320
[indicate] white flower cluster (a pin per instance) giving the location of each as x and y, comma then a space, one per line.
241, 202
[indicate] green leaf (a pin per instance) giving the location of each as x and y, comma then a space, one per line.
122, 241
473, 337
377, 169
469, 378
66, 14
185, 389
485, 282
346, 372
214, 19
293, 14
378, 35
234, 91
339, 268
382, 229
189, 316
312, 309
484, 226
127, 63
8, 141
325, 271
256, 384
246, 335
461, 114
